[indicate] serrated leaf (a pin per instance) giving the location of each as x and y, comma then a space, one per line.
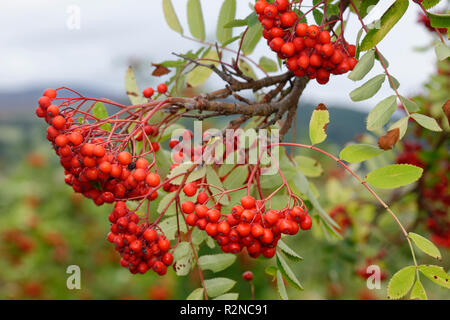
195, 19
291, 254
364, 65
280, 286
216, 262
426, 122
218, 286
425, 245
164, 202
356, 153
268, 65
228, 296
197, 294
200, 74
388, 21
436, 274
132, 88
171, 16
401, 282
442, 51
179, 170
287, 272
368, 89
394, 176
99, 111
409, 104
227, 14
318, 124
381, 113
418, 291
252, 37
309, 166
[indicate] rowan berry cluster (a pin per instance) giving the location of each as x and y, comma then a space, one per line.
94, 165
307, 49
249, 225
141, 246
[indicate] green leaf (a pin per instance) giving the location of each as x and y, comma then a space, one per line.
217, 286
426, 122
169, 226
368, 89
271, 271
287, 272
200, 74
179, 170
418, 291
427, 4
195, 19
171, 16
442, 51
164, 202
425, 245
227, 14
291, 254
252, 37
318, 124
216, 262
388, 21
183, 258
402, 124
228, 296
436, 274
394, 176
99, 111
268, 65
132, 88
401, 282
396, 84
236, 23
197, 294
213, 179
280, 287
236, 178
439, 20
356, 153
231, 41
409, 104
364, 65
247, 69
381, 113
309, 166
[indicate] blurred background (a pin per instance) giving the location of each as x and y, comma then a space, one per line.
87, 46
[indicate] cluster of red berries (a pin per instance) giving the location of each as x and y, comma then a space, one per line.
93, 166
308, 49
141, 247
149, 92
248, 225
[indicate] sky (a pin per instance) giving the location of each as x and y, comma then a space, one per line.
39, 49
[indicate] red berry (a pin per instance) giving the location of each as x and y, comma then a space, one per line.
162, 88
164, 245
167, 258
213, 215
301, 29
190, 189
306, 223
276, 44
51, 93
59, 122
260, 5
248, 202
247, 276
324, 37
202, 197
153, 179
282, 5
148, 92
313, 31
288, 19
288, 49
124, 158
270, 11
188, 207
